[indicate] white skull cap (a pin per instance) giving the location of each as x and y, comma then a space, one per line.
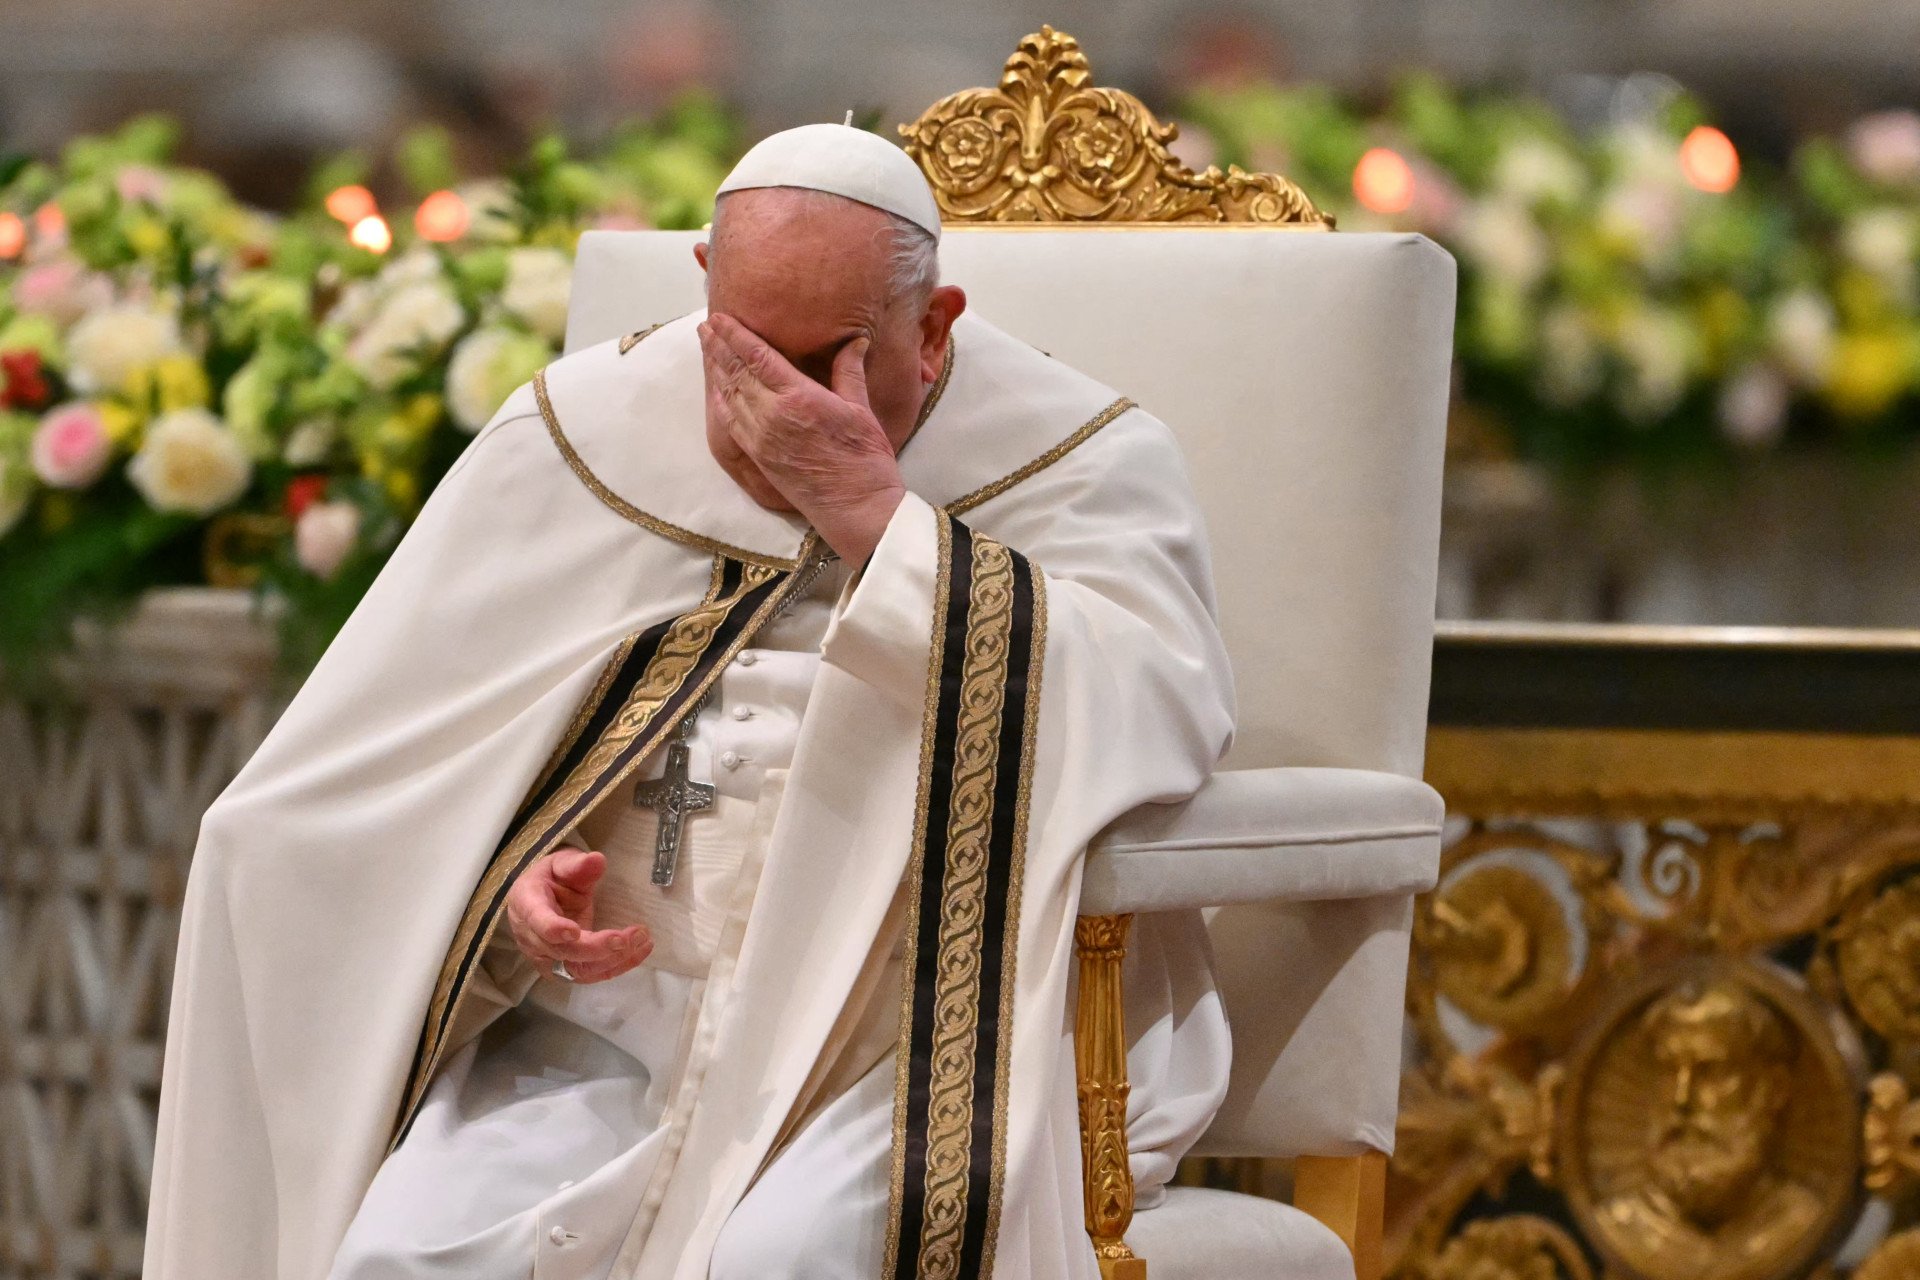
844, 162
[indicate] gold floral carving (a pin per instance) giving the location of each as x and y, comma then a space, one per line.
1501, 944
1520, 1247
1710, 1127
1892, 1133
1877, 953
1100, 1055
1048, 145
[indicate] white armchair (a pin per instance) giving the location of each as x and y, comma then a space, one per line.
1306, 375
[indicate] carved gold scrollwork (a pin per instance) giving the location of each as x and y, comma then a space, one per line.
1892, 1132
1047, 145
1100, 1053
1503, 946
1877, 953
1520, 1247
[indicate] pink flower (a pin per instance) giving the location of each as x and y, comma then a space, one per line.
324, 534
61, 289
1886, 146
71, 447
140, 182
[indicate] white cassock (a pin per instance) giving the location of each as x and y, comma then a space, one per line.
850, 1052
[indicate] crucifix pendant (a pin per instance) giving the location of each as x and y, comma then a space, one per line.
673, 796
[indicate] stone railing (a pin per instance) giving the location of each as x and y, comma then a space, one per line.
100, 800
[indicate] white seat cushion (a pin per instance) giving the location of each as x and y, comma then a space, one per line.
1200, 1234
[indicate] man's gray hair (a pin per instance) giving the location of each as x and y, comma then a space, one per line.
913, 257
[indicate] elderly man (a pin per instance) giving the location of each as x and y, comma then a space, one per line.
670, 871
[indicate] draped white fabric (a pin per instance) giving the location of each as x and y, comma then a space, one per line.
331, 874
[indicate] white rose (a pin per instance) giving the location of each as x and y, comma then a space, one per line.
1657, 349
1753, 406
1644, 155
106, 347
1532, 170
538, 282
190, 462
490, 210
486, 368
309, 442
324, 534
1881, 241
1646, 215
1801, 332
1503, 238
1886, 146
416, 321
1569, 357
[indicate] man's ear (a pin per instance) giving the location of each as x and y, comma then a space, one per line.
944, 306
700, 254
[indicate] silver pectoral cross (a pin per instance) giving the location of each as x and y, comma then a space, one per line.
673, 796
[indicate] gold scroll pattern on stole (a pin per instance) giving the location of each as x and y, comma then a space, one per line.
963, 898
680, 652
916, 863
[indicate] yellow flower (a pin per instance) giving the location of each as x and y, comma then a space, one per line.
122, 424
175, 382
147, 235
1723, 318
420, 415
1869, 372
403, 489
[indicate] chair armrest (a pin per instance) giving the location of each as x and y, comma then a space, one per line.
1269, 835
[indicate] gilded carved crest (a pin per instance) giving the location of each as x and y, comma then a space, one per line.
1047, 145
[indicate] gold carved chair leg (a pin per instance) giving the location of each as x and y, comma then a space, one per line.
1100, 1059
1348, 1194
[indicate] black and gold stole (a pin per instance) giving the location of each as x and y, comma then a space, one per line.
651, 682
969, 852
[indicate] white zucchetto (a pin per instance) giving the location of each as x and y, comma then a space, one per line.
844, 162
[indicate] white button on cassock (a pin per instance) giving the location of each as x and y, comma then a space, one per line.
748, 657
558, 1235
730, 759
743, 713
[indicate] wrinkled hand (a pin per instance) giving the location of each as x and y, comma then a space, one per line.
821, 447
550, 912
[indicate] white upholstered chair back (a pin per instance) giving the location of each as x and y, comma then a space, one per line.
1305, 374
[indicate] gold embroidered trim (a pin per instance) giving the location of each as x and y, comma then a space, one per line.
639, 336
963, 907
679, 653
960, 506
621, 506
933, 396
584, 712
916, 865
1010, 944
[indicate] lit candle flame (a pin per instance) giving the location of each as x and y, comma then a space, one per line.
372, 234
1383, 181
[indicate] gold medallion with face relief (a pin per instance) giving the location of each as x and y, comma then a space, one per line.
1711, 1125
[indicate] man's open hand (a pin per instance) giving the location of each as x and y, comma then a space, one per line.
550, 911
821, 447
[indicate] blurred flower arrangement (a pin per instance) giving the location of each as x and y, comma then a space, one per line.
194, 391
1627, 294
